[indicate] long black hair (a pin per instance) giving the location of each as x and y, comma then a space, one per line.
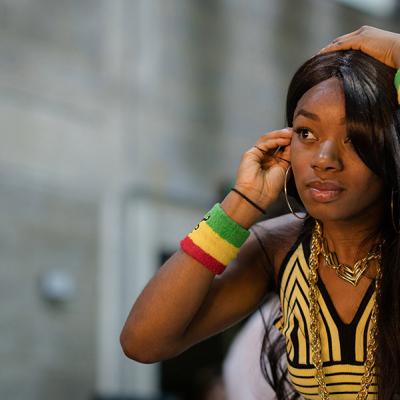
373, 125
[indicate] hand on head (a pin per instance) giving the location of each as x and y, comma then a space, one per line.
380, 44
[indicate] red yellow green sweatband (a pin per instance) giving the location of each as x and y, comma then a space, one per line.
397, 84
215, 241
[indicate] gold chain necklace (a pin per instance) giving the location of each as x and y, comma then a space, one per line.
316, 249
351, 274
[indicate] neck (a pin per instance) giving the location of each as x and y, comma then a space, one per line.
350, 240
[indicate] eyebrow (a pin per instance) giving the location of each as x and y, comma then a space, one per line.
315, 117
307, 114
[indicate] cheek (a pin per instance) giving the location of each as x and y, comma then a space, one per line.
370, 184
300, 159
294, 151
364, 187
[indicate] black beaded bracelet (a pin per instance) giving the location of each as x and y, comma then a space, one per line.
248, 200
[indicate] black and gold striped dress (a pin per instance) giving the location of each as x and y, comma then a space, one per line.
343, 345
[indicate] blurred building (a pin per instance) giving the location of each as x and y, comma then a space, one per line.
120, 121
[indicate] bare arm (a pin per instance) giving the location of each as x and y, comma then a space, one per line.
380, 44
184, 303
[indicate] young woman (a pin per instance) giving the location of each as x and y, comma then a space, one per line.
336, 267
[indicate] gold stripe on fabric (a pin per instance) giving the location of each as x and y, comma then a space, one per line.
301, 338
213, 244
296, 279
310, 394
296, 259
329, 369
297, 253
324, 339
279, 324
290, 350
289, 347
301, 281
302, 348
303, 262
287, 331
333, 331
359, 342
338, 379
293, 284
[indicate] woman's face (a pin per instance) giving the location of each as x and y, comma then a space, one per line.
332, 181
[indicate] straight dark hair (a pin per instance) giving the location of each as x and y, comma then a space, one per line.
373, 125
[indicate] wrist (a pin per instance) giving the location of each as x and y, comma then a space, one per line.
240, 210
216, 240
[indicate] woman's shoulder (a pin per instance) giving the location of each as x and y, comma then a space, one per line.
277, 236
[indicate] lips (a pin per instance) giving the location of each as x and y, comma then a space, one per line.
324, 191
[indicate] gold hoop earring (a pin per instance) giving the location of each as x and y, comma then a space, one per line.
395, 227
286, 194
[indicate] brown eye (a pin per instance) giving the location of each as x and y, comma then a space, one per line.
305, 134
347, 140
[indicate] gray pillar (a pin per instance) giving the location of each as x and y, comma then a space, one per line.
141, 260
109, 321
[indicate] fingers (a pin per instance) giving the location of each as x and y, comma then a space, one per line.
276, 154
286, 133
350, 41
286, 154
379, 44
274, 139
274, 145
356, 40
262, 151
283, 159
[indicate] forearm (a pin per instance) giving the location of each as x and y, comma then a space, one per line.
183, 305
165, 308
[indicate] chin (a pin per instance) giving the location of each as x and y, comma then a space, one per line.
329, 216
327, 211
339, 213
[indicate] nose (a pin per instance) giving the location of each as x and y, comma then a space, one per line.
327, 157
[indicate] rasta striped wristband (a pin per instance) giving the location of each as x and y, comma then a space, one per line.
397, 84
215, 241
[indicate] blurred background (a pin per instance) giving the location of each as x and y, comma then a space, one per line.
122, 122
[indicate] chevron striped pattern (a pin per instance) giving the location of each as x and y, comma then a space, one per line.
343, 345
